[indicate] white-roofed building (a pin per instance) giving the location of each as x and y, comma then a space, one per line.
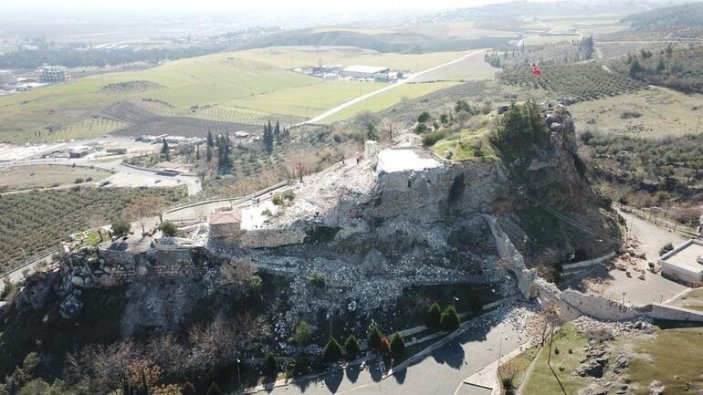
685, 262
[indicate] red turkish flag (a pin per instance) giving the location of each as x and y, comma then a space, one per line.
535, 70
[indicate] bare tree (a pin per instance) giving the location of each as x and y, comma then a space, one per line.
145, 207
369, 121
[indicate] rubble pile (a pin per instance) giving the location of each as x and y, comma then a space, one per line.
633, 259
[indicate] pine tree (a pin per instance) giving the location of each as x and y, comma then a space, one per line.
210, 141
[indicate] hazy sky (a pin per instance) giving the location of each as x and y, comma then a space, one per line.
193, 5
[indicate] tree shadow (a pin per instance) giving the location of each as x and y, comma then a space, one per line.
400, 376
334, 380
353, 373
376, 372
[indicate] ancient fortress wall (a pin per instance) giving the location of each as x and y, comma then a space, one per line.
271, 238
405, 193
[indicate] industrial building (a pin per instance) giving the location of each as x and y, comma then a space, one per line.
365, 72
685, 262
328, 69
53, 74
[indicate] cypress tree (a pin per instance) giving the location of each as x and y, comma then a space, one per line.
397, 344
434, 316
374, 337
210, 141
197, 153
352, 347
208, 154
165, 150
277, 133
450, 319
270, 366
333, 351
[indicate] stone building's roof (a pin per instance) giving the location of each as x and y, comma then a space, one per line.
225, 217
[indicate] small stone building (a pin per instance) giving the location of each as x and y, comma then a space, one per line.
225, 223
685, 262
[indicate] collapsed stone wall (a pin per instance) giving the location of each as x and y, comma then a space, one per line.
88, 269
433, 194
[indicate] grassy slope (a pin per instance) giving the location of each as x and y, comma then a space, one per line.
542, 380
664, 112
673, 358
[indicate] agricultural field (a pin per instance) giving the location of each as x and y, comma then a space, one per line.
390, 98
34, 222
651, 112
549, 39
583, 81
294, 57
244, 87
470, 69
46, 176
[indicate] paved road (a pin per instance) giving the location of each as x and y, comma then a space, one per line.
443, 372
367, 96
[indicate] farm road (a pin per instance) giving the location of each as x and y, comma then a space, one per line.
367, 96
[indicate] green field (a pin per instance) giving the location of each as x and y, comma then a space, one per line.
388, 99
243, 87
44, 176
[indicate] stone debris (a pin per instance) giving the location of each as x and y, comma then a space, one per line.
656, 388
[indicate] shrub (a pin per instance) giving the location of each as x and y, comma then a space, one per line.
374, 337
270, 366
333, 351
424, 117
168, 229
303, 334
666, 248
78, 180
352, 347
213, 389
431, 139
31, 361
433, 318
450, 319
397, 344
421, 128
121, 227
318, 279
